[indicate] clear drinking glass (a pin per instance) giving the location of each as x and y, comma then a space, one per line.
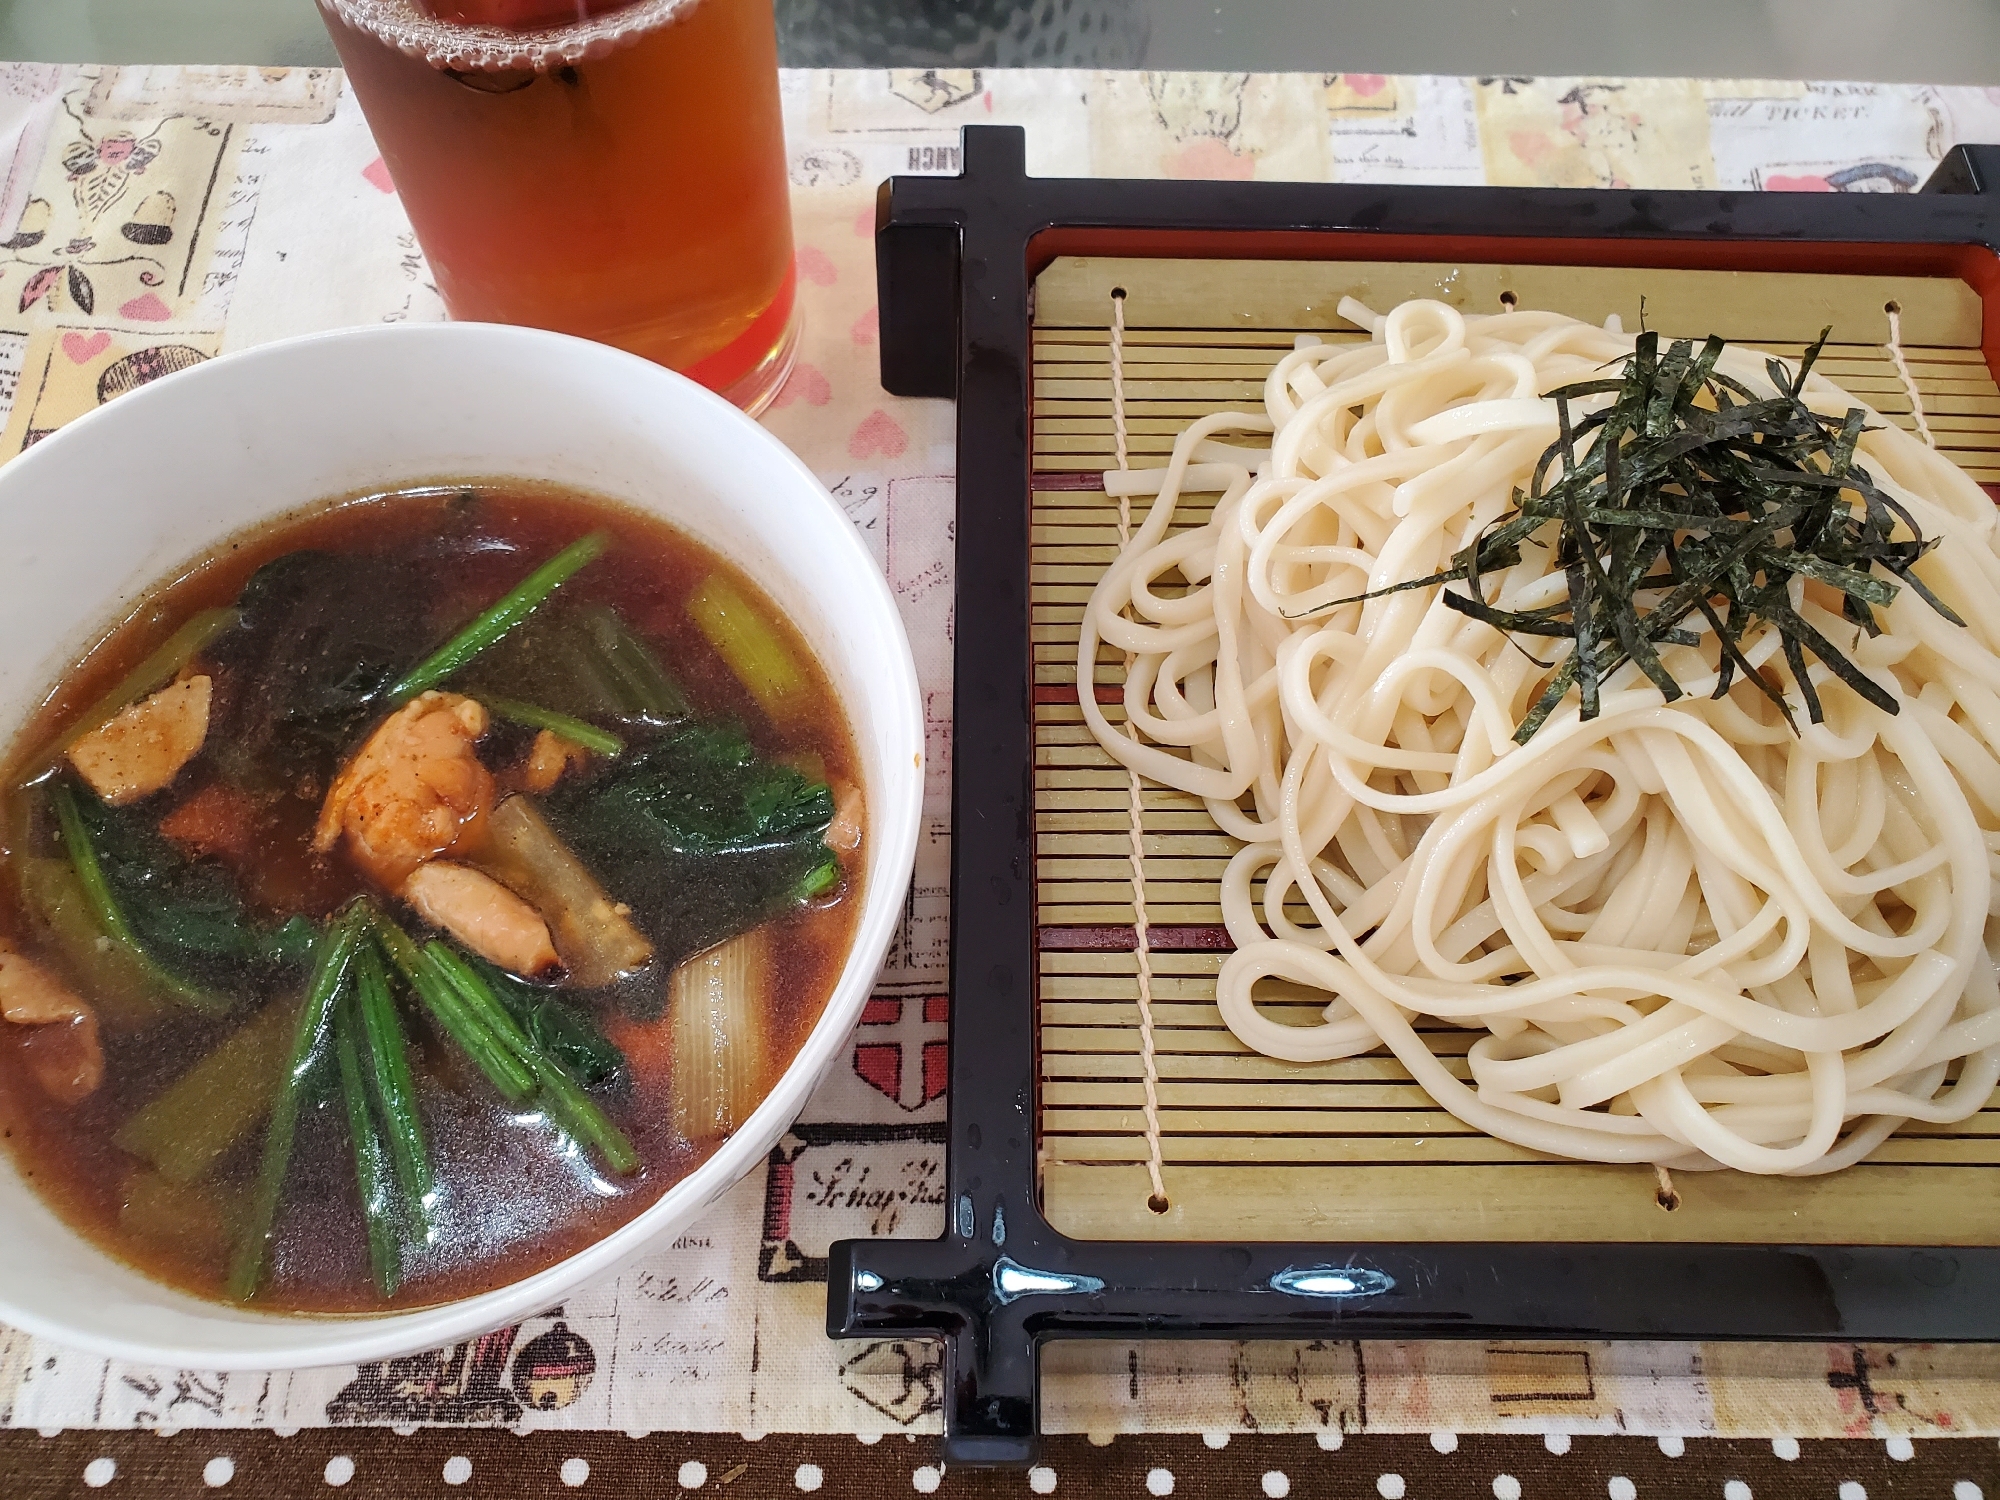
609, 169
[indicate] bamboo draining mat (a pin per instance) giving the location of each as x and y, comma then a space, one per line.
1354, 1150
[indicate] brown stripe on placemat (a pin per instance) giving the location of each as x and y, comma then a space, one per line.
1120, 939
375, 1463
1063, 692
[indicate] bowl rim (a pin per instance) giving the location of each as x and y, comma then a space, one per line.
348, 1338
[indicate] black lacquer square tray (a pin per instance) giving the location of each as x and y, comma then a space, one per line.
1325, 1201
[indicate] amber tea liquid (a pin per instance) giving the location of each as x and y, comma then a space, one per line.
613, 171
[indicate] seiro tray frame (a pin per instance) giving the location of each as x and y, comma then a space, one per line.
1327, 1202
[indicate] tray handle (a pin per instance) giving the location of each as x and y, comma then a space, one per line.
1966, 168
916, 287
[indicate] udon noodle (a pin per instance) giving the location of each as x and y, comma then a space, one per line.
1690, 935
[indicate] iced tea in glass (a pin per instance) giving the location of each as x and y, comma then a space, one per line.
614, 170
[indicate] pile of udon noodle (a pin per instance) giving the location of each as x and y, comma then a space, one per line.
1691, 935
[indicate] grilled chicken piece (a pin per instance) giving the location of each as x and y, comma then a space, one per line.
141, 749
549, 760
64, 1053
414, 791
482, 914
844, 832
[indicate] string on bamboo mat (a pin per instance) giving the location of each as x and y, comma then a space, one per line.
1149, 1067
1895, 348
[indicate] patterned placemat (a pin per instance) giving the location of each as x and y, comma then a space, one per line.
151, 218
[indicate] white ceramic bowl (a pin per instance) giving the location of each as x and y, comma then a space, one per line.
102, 510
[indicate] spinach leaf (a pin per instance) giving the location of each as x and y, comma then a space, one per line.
563, 1030
187, 913
702, 836
323, 638
705, 790
583, 660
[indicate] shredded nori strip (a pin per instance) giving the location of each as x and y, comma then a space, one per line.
1704, 509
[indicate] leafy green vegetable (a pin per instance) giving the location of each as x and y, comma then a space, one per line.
821, 878
185, 912
750, 644
581, 660
497, 619
1705, 509
638, 680
119, 980
568, 1108
436, 994
703, 789
700, 834
188, 1127
381, 1042
110, 915
324, 635
333, 955
465, 1005
533, 716
372, 1174
566, 1032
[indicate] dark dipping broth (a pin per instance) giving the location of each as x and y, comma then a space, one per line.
715, 817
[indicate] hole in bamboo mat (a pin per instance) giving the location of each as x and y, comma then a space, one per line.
1892, 306
1509, 301
1158, 1203
1668, 1197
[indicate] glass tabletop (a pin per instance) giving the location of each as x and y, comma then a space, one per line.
1957, 42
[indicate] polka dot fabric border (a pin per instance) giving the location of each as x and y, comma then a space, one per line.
377, 1464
